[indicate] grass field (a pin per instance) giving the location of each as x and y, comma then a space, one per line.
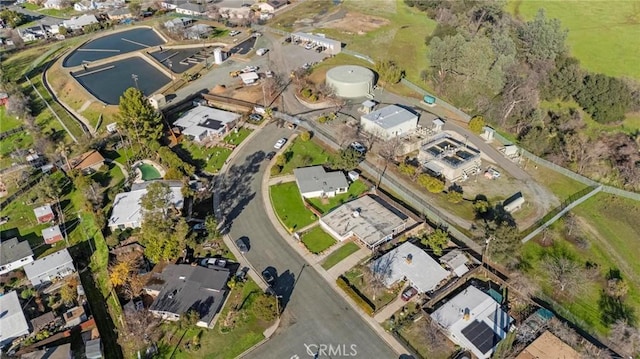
339, 254
237, 138
605, 37
305, 153
288, 205
317, 240
7, 122
212, 158
610, 225
562, 186
327, 204
401, 34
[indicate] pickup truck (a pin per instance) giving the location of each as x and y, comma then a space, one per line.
235, 73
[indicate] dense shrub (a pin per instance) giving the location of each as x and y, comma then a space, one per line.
354, 294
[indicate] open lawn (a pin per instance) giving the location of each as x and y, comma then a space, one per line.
317, 240
609, 225
288, 205
8, 145
63, 13
369, 27
210, 159
603, 37
8, 122
325, 205
303, 154
339, 254
215, 343
235, 138
562, 186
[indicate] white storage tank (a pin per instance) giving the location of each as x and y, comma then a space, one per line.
218, 55
351, 81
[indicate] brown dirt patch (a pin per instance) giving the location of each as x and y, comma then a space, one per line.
357, 23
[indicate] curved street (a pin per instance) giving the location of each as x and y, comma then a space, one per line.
313, 313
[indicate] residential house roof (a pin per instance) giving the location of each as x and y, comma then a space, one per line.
315, 178
277, 3
43, 211
80, 21
53, 261
42, 321
127, 209
51, 234
187, 287
410, 262
474, 320
13, 324
368, 217
548, 346
191, 7
456, 261
390, 116
12, 250
201, 119
86, 160
60, 352
93, 349
119, 12
74, 313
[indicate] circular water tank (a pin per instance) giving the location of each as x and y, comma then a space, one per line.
350, 81
218, 55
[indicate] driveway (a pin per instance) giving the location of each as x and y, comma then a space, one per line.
313, 314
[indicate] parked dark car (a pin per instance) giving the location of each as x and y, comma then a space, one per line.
270, 155
268, 277
255, 117
242, 246
409, 293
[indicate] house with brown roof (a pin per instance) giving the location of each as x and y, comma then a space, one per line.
548, 346
87, 162
74, 316
44, 214
52, 234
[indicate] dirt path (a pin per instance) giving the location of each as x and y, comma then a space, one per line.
622, 264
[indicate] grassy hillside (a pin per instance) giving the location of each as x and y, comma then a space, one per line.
603, 35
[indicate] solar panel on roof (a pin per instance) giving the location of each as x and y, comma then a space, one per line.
481, 336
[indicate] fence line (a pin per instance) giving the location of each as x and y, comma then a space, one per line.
52, 111
8, 133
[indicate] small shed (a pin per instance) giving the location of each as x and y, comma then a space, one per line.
513, 203
368, 106
52, 234
249, 78
44, 214
158, 100
112, 127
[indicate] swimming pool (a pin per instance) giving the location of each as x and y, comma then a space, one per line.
149, 172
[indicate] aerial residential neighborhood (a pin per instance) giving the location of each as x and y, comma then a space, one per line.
318, 178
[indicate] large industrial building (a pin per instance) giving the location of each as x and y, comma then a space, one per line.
391, 121
450, 158
333, 47
350, 81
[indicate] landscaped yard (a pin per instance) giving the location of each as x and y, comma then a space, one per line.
426, 339
361, 278
609, 225
600, 35
287, 203
317, 240
235, 138
303, 154
221, 342
211, 159
339, 254
327, 204
8, 122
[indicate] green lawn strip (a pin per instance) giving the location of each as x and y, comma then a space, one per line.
327, 204
305, 153
317, 240
215, 344
63, 13
16, 141
339, 254
212, 158
357, 279
613, 29
288, 205
237, 138
8, 122
30, 6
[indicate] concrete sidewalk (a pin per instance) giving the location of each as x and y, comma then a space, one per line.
348, 263
391, 308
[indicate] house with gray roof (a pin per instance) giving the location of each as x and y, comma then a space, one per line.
13, 323
191, 9
14, 254
410, 263
316, 182
78, 22
60, 352
50, 268
202, 122
389, 122
182, 287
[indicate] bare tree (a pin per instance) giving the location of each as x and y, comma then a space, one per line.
626, 338
565, 273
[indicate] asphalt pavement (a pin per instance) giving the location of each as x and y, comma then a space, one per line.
314, 315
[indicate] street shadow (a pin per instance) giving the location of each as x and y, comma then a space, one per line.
236, 183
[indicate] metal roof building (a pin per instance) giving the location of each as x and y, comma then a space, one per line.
389, 122
51, 267
316, 182
409, 262
333, 46
203, 121
13, 324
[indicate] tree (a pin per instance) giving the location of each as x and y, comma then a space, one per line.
27, 293
436, 240
138, 118
18, 105
211, 225
564, 272
157, 198
408, 169
346, 160
12, 18
626, 338
135, 8
476, 124
119, 273
617, 288
163, 239
69, 291
542, 38
504, 242
432, 184
454, 196
605, 98
305, 136
389, 71
188, 319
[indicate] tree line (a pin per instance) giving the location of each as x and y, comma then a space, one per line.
489, 63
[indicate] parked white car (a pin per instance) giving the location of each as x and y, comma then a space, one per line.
261, 51
280, 143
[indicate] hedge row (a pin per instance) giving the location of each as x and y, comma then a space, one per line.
362, 301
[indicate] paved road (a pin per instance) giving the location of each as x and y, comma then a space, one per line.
34, 15
314, 314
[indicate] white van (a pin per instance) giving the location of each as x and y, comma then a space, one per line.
262, 51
